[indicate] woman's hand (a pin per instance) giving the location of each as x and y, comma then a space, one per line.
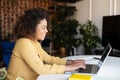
73, 65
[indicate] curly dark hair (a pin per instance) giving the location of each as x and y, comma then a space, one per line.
26, 25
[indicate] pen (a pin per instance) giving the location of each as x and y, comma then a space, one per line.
96, 58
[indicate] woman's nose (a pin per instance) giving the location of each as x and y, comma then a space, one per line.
46, 30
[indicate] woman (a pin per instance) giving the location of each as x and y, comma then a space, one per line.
28, 59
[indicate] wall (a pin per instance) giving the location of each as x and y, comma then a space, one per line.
10, 10
95, 10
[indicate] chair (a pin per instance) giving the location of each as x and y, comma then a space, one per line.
7, 47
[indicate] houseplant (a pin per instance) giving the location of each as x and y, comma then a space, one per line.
64, 29
90, 39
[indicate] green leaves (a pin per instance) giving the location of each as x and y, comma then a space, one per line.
63, 12
64, 32
90, 36
64, 28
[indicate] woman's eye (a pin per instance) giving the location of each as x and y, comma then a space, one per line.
44, 27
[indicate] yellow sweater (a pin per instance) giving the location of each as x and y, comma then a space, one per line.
29, 60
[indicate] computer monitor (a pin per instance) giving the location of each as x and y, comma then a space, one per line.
111, 31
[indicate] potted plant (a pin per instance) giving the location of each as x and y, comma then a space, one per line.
90, 39
64, 29
63, 34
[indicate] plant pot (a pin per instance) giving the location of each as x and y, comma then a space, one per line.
62, 52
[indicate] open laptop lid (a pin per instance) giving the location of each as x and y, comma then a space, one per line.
93, 69
106, 52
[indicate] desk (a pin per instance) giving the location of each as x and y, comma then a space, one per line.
109, 71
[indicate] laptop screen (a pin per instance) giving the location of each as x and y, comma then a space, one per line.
106, 52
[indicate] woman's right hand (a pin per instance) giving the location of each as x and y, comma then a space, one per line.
75, 64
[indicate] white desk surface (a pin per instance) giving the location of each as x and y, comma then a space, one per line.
109, 71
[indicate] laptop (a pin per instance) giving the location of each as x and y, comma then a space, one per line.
94, 68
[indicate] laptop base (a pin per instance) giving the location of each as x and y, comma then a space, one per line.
90, 68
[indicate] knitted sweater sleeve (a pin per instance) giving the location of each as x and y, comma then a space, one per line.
38, 60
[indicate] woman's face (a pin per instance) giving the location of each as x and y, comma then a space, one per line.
41, 30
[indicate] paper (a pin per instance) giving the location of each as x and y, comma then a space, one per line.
80, 77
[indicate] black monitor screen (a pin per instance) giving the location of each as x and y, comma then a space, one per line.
111, 31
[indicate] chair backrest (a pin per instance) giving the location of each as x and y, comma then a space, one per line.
7, 47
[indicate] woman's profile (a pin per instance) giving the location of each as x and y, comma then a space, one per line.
29, 60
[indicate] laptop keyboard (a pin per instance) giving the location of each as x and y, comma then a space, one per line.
89, 69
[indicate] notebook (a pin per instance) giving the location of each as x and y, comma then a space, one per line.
94, 68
